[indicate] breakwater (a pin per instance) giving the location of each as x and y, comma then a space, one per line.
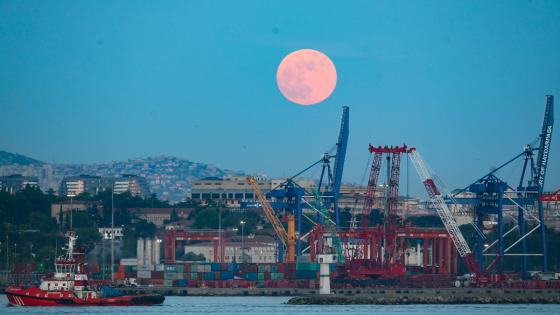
433, 296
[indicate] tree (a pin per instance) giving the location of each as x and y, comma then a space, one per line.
174, 217
144, 229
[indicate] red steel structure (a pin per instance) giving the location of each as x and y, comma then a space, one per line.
439, 255
377, 251
174, 238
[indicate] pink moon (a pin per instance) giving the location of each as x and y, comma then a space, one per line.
306, 77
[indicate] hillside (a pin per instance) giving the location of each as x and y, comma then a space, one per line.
7, 158
168, 177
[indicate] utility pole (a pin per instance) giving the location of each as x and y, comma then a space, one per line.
112, 234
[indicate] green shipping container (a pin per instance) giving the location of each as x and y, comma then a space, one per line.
305, 266
277, 276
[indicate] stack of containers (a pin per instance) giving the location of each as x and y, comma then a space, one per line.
249, 271
289, 270
172, 272
158, 277
144, 271
307, 271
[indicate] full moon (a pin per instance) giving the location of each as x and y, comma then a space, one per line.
306, 77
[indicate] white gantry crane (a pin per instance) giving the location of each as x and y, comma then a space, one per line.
445, 214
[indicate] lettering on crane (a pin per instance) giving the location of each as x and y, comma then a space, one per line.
542, 170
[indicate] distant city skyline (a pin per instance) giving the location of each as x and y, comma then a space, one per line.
464, 82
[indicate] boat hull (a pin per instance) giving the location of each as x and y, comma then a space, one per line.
37, 297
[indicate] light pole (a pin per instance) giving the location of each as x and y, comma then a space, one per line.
112, 229
71, 208
7, 252
234, 247
221, 259
242, 222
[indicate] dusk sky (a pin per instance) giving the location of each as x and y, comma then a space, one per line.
96, 81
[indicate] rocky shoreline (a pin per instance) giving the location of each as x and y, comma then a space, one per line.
531, 298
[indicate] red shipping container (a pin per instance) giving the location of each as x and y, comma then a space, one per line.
157, 275
157, 281
186, 268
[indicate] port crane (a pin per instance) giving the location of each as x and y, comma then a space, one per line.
491, 194
287, 238
445, 214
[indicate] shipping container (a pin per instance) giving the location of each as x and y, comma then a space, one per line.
129, 261
251, 276
306, 274
174, 268
144, 274
145, 267
227, 275
157, 281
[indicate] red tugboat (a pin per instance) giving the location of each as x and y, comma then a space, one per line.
69, 287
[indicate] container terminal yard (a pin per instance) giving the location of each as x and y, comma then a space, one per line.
378, 252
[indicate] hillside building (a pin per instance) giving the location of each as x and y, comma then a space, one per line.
76, 185
16, 182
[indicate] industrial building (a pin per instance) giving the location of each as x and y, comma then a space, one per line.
252, 249
148, 251
160, 216
234, 190
109, 233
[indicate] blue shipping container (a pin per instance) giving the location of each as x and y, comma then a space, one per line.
306, 274
227, 275
251, 276
216, 267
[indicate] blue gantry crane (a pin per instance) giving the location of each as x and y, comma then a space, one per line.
491, 194
290, 197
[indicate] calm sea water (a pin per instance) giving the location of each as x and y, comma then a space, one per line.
277, 305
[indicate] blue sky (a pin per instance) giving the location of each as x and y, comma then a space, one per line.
464, 81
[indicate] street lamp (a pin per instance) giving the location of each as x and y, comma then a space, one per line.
112, 231
221, 259
242, 241
234, 247
71, 210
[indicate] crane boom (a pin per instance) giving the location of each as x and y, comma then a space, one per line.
371, 187
444, 213
545, 139
269, 212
